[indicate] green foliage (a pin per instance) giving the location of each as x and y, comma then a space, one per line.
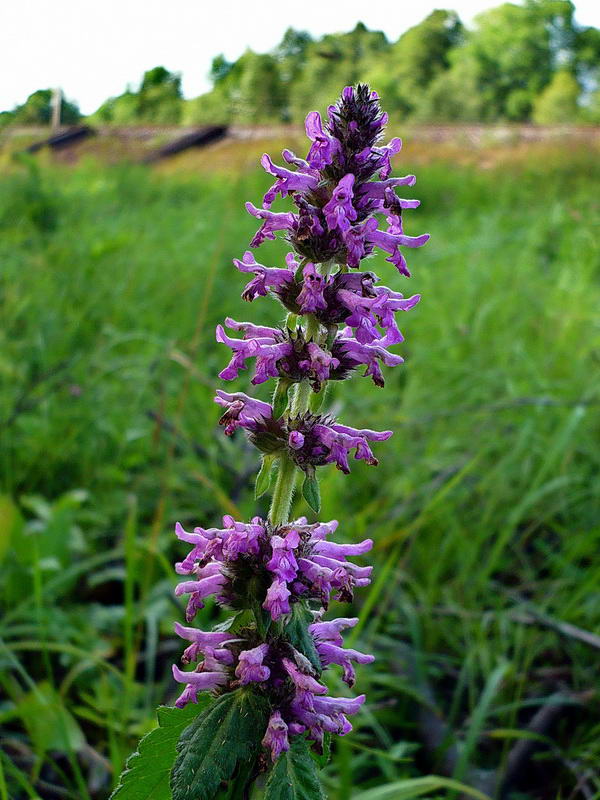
37, 110
263, 479
294, 775
296, 631
228, 732
484, 508
311, 493
158, 100
148, 770
558, 102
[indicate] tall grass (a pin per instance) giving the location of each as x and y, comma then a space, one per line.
485, 508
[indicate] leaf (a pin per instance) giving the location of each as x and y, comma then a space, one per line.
311, 493
297, 632
294, 775
49, 724
417, 787
227, 732
11, 524
322, 759
146, 775
263, 479
280, 397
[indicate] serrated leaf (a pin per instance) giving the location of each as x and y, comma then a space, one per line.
297, 632
311, 493
227, 732
147, 772
263, 479
294, 775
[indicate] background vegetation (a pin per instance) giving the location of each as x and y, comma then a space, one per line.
485, 508
527, 62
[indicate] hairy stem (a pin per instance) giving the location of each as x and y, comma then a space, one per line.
283, 492
286, 474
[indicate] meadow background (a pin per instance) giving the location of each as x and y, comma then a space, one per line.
485, 508
484, 611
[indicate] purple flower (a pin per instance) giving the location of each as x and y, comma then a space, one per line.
276, 602
324, 147
310, 298
296, 440
266, 348
283, 562
320, 362
211, 580
338, 440
330, 653
391, 243
272, 222
266, 278
201, 641
339, 211
369, 354
287, 181
197, 682
250, 665
276, 736
242, 411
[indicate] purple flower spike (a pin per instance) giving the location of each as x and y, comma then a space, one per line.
276, 737
250, 666
277, 603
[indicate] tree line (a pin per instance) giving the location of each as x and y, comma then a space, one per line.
528, 62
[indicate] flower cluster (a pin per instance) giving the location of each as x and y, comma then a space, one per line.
280, 575
276, 565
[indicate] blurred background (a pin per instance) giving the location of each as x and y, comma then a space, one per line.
120, 212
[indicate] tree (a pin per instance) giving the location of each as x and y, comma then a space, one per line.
416, 59
37, 110
558, 102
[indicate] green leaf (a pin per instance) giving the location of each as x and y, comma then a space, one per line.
263, 479
146, 775
311, 493
11, 524
417, 787
322, 759
317, 398
294, 775
48, 723
280, 397
229, 731
297, 632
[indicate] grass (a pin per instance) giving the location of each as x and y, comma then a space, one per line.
485, 508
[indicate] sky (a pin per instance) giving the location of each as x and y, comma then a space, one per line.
93, 49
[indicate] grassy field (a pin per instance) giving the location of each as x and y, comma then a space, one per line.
485, 509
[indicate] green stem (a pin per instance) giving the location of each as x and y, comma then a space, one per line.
286, 475
283, 491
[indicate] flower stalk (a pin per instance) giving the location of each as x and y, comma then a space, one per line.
285, 571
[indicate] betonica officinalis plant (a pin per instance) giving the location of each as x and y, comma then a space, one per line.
254, 706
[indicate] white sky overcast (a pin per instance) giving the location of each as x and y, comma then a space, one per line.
93, 49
